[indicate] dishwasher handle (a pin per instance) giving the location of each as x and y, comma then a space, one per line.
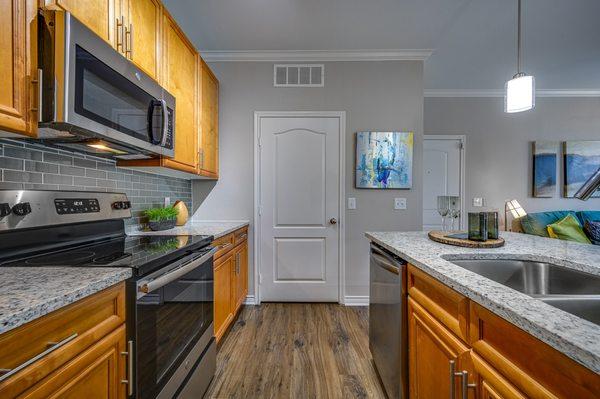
386, 260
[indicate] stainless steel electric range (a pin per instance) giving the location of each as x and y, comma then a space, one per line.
169, 298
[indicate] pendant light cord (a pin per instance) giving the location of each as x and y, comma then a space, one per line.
519, 72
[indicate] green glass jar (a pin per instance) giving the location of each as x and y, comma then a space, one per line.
478, 226
492, 225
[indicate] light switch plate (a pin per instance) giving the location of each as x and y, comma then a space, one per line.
167, 201
399, 203
351, 203
477, 202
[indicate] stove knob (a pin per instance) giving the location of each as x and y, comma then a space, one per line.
117, 205
21, 209
126, 204
4, 210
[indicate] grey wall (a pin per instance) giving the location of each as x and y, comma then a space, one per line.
375, 96
498, 149
37, 167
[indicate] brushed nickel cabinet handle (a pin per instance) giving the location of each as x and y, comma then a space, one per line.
223, 246
453, 375
52, 348
464, 384
38, 82
131, 41
119, 26
129, 380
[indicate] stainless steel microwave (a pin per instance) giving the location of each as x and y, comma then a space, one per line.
95, 100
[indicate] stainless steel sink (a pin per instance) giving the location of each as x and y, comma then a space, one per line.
570, 290
587, 308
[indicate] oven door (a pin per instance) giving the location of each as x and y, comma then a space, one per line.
174, 312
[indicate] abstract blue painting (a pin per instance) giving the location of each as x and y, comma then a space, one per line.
582, 159
384, 159
545, 160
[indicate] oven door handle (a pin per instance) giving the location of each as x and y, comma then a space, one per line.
147, 286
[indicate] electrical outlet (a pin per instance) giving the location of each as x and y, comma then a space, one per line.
399, 203
167, 201
477, 202
351, 203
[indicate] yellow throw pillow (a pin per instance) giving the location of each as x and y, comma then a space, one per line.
568, 229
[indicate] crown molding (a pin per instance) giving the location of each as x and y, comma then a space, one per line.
500, 93
315, 55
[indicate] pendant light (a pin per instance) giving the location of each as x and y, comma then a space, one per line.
520, 90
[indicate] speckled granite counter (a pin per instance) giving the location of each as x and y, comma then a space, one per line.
27, 293
571, 335
196, 227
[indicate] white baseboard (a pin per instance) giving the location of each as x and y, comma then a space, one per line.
249, 300
356, 300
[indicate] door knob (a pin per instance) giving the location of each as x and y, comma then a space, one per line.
333, 221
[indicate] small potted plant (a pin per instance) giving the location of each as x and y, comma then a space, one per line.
161, 218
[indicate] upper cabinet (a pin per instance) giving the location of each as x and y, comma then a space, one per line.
98, 15
209, 126
181, 80
18, 66
142, 39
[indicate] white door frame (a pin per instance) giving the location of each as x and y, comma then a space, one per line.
463, 151
342, 193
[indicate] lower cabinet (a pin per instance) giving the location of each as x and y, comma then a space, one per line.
231, 279
435, 355
459, 349
78, 351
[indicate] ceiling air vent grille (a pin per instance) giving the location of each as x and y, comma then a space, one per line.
299, 75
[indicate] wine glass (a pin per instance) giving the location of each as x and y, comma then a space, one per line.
454, 208
443, 209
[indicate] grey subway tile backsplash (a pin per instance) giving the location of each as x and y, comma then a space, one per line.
33, 166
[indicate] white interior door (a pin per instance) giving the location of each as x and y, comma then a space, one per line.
300, 205
441, 176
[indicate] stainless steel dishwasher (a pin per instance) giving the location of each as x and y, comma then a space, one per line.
388, 327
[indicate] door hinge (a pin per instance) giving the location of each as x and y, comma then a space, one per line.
461, 145
259, 278
260, 140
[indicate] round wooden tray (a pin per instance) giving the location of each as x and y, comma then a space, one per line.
442, 236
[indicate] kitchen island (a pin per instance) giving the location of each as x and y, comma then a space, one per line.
477, 306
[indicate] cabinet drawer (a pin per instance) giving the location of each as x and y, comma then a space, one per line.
74, 328
445, 304
224, 245
240, 235
535, 368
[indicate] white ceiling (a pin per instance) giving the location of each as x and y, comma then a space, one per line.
473, 40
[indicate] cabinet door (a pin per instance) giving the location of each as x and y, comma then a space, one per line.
241, 274
222, 306
96, 373
18, 65
181, 81
432, 350
144, 37
209, 132
98, 15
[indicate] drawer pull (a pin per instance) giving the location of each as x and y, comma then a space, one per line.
242, 236
52, 348
222, 247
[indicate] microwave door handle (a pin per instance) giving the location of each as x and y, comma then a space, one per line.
145, 287
165, 125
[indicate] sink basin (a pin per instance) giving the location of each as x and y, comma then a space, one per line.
534, 278
574, 292
587, 308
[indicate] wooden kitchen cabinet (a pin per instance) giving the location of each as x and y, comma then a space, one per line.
223, 313
143, 35
434, 352
209, 122
88, 356
18, 66
98, 15
231, 278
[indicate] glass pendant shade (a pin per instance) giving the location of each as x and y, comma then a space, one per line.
520, 94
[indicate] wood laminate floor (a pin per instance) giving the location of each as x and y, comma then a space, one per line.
295, 350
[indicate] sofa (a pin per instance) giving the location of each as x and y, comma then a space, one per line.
537, 223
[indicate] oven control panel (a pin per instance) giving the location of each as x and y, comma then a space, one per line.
68, 206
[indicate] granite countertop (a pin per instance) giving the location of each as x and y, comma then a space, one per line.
27, 293
216, 228
575, 337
